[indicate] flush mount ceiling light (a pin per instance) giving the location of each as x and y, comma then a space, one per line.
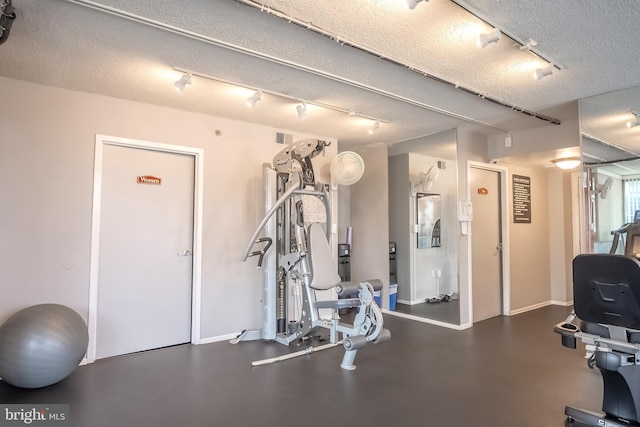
373, 129
540, 73
485, 39
302, 110
566, 163
411, 4
635, 120
182, 83
253, 99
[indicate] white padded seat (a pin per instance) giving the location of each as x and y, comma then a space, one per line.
324, 268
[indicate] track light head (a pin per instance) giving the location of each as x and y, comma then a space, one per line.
635, 120
253, 99
540, 73
485, 39
373, 129
302, 110
411, 4
182, 83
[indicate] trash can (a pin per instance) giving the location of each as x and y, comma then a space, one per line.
393, 295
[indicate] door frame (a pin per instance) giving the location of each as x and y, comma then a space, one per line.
504, 229
198, 196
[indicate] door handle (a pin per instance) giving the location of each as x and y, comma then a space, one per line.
186, 252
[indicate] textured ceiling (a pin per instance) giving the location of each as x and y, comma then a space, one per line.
367, 56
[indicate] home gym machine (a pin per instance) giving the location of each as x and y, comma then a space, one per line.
606, 292
301, 284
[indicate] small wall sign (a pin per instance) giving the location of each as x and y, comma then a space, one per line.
148, 179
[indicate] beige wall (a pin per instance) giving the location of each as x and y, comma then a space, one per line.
560, 234
544, 138
46, 169
529, 244
554, 275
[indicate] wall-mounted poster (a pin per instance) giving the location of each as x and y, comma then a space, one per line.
428, 219
521, 199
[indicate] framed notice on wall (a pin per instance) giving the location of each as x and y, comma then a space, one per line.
521, 199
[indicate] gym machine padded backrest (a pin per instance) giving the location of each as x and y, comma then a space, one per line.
323, 267
606, 292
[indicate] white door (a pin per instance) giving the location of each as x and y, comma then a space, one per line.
146, 239
486, 263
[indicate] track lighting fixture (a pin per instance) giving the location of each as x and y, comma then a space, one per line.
540, 73
182, 83
253, 99
373, 129
411, 4
635, 120
302, 110
485, 39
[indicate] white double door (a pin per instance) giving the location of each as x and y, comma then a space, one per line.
145, 252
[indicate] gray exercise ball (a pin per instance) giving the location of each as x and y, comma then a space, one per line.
41, 345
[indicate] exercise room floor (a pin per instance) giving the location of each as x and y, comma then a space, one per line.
505, 371
448, 312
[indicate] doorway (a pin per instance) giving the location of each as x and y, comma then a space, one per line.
146, 247
488, 240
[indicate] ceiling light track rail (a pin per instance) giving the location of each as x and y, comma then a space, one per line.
318, 30
523, 44
260, 91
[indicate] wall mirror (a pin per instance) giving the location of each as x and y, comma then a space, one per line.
610, 146
428, 220
423, 193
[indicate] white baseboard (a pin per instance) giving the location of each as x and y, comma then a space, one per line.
529, 308
407, 302
562, 303
219, 338
424, 320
